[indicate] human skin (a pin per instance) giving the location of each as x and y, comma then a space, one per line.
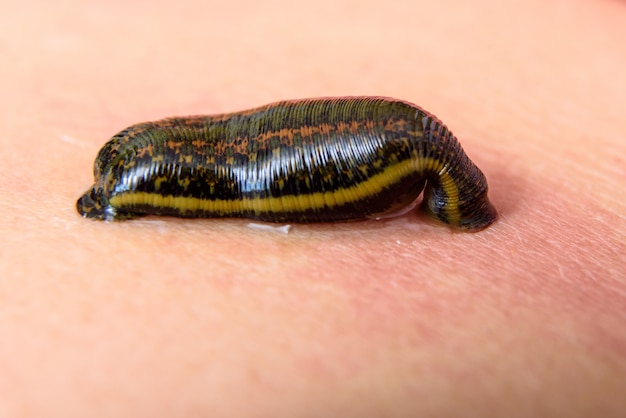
400, 317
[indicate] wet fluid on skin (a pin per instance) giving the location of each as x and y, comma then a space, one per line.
314, 160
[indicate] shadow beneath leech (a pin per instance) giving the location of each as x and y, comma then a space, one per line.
506, 188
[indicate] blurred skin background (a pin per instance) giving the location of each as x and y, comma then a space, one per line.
168, 317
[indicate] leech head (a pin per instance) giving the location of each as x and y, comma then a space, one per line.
90, 204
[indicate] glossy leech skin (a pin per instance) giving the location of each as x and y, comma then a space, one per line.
314, 160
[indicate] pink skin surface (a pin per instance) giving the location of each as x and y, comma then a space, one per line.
400, 317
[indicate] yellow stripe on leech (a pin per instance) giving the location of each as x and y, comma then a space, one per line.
452, 192
453, 215
291, 203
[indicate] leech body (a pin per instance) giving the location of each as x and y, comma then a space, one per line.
315, 160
